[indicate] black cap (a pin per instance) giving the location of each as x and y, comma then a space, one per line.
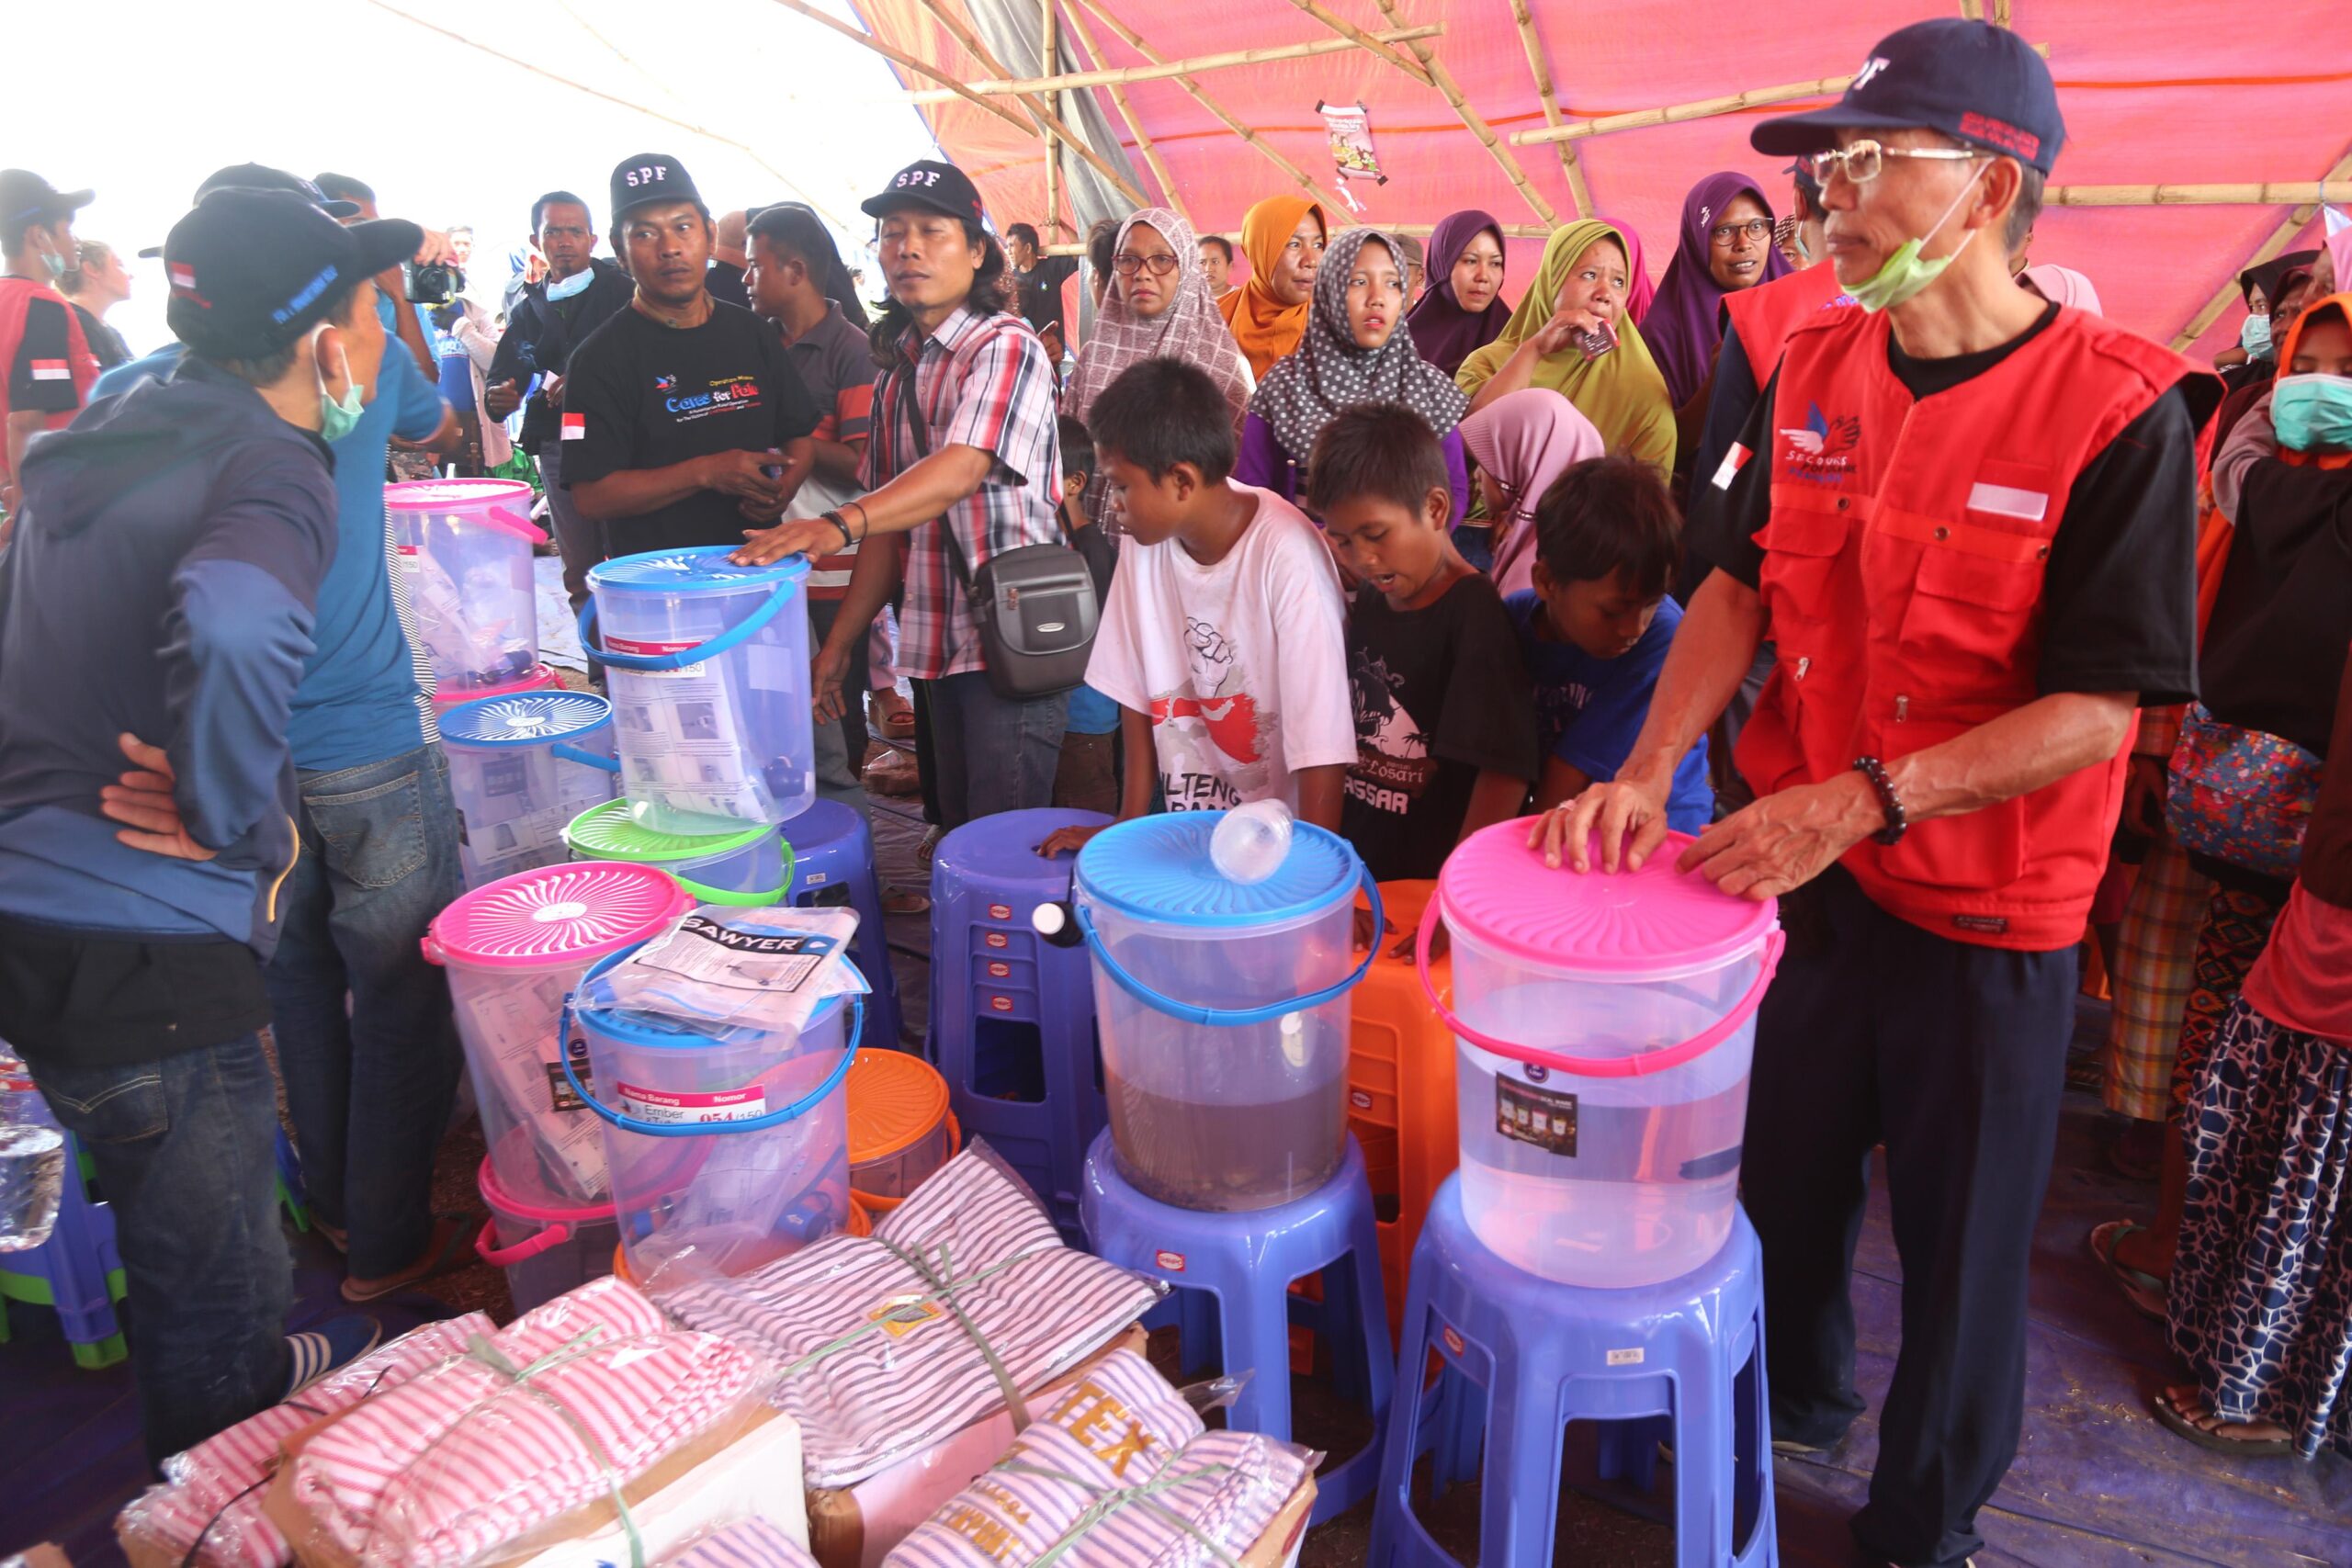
1972, 80
650, 176
927, 182
261, 176
26, 197
252, 270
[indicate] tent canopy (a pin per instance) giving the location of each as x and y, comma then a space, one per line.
2155, 92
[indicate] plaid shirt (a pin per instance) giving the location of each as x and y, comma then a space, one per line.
980, 381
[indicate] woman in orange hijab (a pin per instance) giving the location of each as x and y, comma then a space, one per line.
1284, 237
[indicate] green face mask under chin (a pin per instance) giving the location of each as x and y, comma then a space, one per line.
1905, 274
337, 420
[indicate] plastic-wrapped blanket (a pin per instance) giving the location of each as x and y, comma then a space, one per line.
961, 1301
748, 1543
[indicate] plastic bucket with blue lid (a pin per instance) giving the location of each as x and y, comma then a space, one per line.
465, 547
514, 950
707, 665
747, 867
521, 768
727, 1149
1607, 1024
1223, 1008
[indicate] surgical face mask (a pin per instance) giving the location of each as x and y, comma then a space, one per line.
2254, 336
1905, 274
337, 420
2312, 412
54, 264
565, 287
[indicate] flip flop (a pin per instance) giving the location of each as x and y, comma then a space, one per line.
904, 901
452, 1248
2178, 1422
2143, 1290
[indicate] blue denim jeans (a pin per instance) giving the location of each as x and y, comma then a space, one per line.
365, 1043
184, 1149
991, 755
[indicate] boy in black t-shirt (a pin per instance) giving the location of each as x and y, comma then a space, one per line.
1446, 722
684, 422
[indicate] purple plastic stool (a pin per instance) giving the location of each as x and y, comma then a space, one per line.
77, 1271
832, 848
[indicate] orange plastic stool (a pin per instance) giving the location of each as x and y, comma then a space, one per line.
1401, 1090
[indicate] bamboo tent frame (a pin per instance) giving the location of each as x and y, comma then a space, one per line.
1124, 76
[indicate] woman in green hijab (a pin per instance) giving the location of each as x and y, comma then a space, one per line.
1583, 285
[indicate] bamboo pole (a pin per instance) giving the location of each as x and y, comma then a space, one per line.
1703, 108
1348, 30
1048, 122
1571, 165
1445, 83
2289, 227
1134, 41
1053, 148
2000, 13
1127, 113
901, 58
2272, 193
1971, 10
1127, 75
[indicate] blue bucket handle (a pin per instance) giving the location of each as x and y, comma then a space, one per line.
724, 642
1231, 1018
572, 754
776, 1118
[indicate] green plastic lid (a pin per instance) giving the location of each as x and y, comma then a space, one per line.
609, 832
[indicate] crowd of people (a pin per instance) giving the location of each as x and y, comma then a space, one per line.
2057, 667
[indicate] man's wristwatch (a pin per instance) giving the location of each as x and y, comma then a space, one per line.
1898, 821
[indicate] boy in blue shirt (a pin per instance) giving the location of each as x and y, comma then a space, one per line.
1595, 631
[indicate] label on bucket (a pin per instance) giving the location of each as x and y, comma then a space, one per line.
1544, 1117
723, 1105
626, 644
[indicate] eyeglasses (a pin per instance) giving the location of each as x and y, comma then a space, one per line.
1128, 265
1864, 161
1725, 234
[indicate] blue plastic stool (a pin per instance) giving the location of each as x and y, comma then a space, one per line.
1523, 1356
291, 1193
77, 1271
1012, 1014
831, 848
1247, 1262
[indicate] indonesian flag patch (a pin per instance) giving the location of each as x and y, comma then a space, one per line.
183, 275
52, 370
1729, 470
575, 427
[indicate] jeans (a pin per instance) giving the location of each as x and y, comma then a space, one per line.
185, 1148
578, 540
841, 746
988, 755
366, 1042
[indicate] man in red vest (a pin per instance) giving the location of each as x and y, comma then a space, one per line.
48, 365
1968, 519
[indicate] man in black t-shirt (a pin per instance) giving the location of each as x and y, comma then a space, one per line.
1039, 277
684, 422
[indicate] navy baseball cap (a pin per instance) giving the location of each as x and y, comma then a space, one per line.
649, 177
26, 197
261, 176
252, 270
927, 182
1972, 80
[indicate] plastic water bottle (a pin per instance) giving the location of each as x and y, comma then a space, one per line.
1252, 842
32, 1160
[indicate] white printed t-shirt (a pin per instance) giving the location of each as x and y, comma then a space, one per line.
1241, 666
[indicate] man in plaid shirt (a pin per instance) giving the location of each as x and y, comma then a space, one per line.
964, 437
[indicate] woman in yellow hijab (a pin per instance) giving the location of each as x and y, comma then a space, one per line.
1585, 281
1284, 237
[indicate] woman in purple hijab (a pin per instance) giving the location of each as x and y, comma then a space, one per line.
1461, 310
1726, 245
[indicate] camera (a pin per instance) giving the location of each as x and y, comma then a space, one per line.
433, 283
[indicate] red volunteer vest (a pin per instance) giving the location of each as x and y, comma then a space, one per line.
1765, 315
17, 295
1903, 576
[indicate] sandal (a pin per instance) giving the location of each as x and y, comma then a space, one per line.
904, 901
893, 715
451, 1249
2145, 1292
2185, 1424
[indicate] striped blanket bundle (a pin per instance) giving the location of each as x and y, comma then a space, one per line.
1119, 1473
748, 1543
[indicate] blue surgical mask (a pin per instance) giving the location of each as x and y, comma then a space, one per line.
2312, 412
565, 287
337, 420
2254, 335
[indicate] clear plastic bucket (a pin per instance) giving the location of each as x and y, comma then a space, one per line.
546, 1245
1606, 1026
728, 1150
1222, 1009
522, 768
466, 547
707, 665
514, 949
747, 866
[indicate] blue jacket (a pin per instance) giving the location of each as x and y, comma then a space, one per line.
162, 583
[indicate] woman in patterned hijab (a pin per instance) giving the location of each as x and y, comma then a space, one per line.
1357, 349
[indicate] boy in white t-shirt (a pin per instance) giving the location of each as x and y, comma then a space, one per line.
1224, 642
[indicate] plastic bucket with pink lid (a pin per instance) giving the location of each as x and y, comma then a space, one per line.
547, 1244
540, 678
1607, 1023
465, 546
512, 949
